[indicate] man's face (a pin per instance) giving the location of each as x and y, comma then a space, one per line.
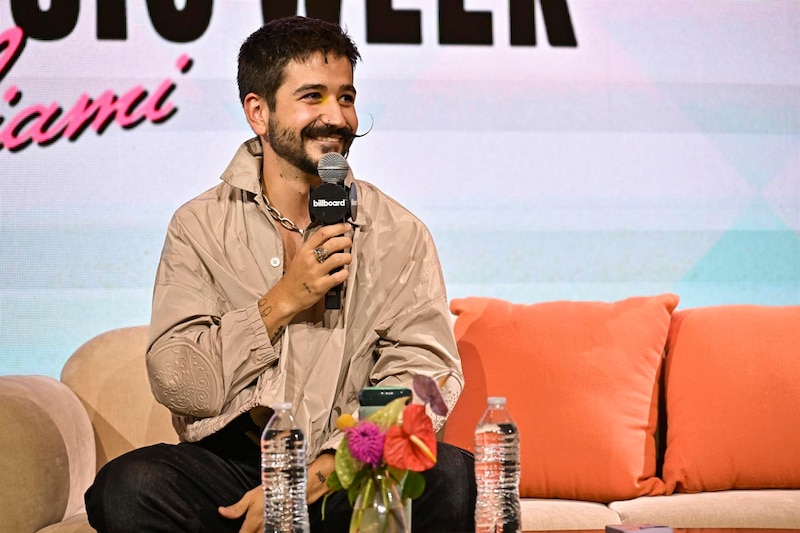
314, 111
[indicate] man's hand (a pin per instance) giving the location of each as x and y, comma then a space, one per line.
318, 473
307, 278
251, 503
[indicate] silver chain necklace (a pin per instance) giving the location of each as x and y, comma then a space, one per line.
285, 222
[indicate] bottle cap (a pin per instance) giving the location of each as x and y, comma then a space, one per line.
496, 400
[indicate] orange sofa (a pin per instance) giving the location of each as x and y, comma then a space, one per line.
633, 412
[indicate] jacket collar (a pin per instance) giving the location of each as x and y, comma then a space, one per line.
245, 168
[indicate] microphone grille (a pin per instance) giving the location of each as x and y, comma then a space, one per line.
332, 167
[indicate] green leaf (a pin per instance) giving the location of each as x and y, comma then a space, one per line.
333, 482
362, 482
324, 502
346, 466
398, 474
414, 485
352, 494
387, 416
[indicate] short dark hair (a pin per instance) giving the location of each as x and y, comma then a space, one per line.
264, 55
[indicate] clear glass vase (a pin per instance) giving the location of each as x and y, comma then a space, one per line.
379, 508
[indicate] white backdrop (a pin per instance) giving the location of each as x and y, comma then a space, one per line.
662, 153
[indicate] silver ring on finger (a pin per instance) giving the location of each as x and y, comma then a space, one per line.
321, 253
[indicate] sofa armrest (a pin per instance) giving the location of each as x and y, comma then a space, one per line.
48, 458
108, 375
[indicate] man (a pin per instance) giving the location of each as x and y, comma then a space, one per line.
239, 320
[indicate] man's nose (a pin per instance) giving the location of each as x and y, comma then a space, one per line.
332, 114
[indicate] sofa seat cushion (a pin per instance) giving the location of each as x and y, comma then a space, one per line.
732, 380
555, 515
581, 382
74, 524
770, 509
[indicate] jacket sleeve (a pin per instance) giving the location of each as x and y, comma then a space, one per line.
201, 352
415, 329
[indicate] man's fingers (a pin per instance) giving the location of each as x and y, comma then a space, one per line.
325, 233
337, 260
238, 509
233, 511
253, 522
336, 244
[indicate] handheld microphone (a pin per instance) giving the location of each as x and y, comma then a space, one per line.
333, 202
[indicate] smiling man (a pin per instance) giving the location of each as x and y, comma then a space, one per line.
239, 322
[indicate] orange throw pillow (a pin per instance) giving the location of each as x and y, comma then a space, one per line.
732, 385
581, 382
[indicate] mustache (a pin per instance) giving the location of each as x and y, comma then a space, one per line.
324, 130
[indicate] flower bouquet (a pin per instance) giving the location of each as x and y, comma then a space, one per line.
380, 460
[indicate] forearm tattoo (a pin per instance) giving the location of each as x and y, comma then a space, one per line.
321, 477
264, 307
277, 335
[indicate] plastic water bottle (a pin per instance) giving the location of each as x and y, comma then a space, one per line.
283, 473
497, 471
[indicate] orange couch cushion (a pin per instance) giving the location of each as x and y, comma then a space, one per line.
732, 380
581, 381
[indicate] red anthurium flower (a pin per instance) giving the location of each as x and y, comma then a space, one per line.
411, 446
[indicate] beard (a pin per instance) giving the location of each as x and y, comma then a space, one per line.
290, 145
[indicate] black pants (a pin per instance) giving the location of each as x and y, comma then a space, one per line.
168, 488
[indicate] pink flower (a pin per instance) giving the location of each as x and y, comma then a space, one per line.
365, 441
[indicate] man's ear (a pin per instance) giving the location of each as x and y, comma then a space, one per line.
256, 112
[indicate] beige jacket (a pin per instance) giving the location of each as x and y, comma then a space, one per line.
210, 357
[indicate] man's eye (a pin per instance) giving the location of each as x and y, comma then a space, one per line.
347, 99
312, 96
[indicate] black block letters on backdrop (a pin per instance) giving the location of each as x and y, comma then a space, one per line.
44, 124
58, 21
385, 25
